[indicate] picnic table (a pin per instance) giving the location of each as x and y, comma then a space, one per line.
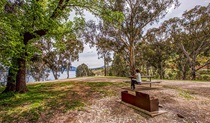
147, 81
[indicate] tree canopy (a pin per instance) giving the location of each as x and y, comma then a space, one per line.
126, 35
24, 22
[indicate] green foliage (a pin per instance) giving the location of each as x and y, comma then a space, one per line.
24, 22
179, 48
190, 35
119, 66
156, 50
83, 70
125, 35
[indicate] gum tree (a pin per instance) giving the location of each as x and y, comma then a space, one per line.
191, 35
23, 22
157, 49
138, 15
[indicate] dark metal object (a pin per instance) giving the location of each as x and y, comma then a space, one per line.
141, 100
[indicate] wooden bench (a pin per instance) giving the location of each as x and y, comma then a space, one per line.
150, 82
141, 100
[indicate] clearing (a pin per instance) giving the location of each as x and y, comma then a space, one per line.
94, 100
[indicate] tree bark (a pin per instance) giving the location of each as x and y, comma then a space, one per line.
21, 76
55, 74
147, 69
132, 60
193, 71
160, 70
184, 72
10, 87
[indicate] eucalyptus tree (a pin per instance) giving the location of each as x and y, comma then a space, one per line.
191, 35
103, 46
106, 55
23, 22
71, 51
157, 49
83, 70
54, 59
37, 68
119, 66
138, 15
196, 23
57, 55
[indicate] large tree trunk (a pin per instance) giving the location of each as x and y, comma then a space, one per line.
20, 85
21, 77
160, 70
16, 80
55, 74
184, 72
10, 81
147, 70
21, 82
193, 71
132, 60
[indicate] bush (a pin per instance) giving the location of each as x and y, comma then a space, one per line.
206, 77
83, 70
171, 75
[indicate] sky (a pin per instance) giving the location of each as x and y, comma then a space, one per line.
90, 56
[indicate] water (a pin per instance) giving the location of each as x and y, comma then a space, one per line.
72, 74
3, 78
29, 78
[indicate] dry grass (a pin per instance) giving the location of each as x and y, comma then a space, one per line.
99, 97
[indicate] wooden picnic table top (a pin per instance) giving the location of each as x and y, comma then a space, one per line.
131, 77
146, 82
147, 76
142, 77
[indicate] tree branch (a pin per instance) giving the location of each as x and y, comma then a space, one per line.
208, 62
28, 36
185, 52
60, 6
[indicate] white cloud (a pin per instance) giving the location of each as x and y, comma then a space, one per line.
185, 5
89, 57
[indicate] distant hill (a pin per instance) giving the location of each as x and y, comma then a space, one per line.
97, 68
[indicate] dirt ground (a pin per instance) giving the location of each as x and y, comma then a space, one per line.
184, 101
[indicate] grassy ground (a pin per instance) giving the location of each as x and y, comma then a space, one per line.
45, 99
95, 99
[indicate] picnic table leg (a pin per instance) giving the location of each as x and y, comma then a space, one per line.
150, 81
131, 83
